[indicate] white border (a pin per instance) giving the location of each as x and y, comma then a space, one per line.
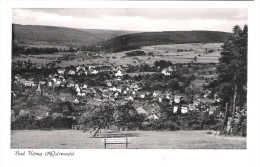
248, 157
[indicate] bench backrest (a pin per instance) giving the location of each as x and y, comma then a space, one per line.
76, 127
125, 141
117, 140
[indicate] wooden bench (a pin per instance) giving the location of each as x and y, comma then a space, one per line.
125, 141
75, 127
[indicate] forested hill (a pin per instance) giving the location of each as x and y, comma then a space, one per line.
61, 35
132, 41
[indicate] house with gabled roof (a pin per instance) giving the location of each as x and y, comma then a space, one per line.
61, 71
148, 112
71, 72
29, 83
156, 93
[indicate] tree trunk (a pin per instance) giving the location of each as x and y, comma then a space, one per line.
95, 134
234, 108
225, 119
234, 102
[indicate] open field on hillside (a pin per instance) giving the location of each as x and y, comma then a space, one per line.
41, 59
73, 139
176, 53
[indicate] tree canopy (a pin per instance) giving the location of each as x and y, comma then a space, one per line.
232, 71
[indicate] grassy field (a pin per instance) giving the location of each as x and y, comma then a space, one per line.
186, 54
73, 139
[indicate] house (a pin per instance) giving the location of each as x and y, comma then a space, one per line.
149, 112
177, 98
134, 86
78, 89
175, 109
153, 117
29, 83
64, 96
142, 95
79, 94
70, 84
93, 71
119, 73
84, 86
160, 99
42, 82
80, 68
212, 110
71, 72
109, 84
58, 82
156, 93
141, 110
61, 71
22, 81
91, 67
76, 86
184, 109
114, 89
116, 95
130, 98
17, 77
23, 112
56, 115
40, 114
165, 72
76, 101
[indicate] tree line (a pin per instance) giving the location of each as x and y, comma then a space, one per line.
232, 81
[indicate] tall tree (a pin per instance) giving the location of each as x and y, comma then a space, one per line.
232, 72
100, 118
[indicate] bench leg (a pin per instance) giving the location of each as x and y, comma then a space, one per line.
126, 143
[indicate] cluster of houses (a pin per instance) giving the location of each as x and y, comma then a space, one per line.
116, 90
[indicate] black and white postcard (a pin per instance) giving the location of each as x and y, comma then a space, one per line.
130, 81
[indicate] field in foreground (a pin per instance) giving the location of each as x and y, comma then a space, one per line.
73, 139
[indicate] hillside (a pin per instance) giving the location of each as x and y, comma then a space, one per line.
61, 35
108, 34
131, 41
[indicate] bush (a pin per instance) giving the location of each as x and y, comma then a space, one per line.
31, 122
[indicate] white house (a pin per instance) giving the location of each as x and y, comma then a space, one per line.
109, 84
50, 83
76, 101
166, 72
156, 93
85, 86
61, 71
29, 83
82, 68
184, 109
119, 73
93, 72
130, 98
71, 72
77, 89
177, 99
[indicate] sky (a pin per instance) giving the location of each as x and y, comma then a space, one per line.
215, 19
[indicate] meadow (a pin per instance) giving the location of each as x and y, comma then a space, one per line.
176, 53
76, 139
